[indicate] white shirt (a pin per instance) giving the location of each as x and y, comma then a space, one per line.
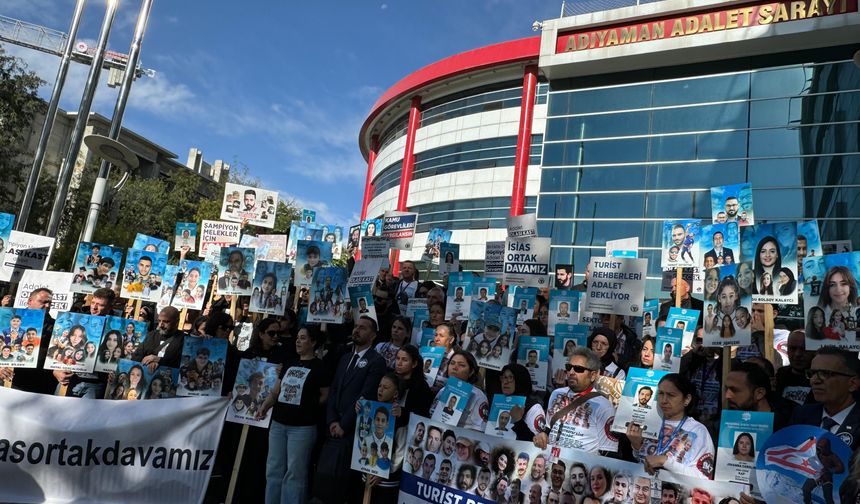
475, 415
839, 418
690, 450
585, 428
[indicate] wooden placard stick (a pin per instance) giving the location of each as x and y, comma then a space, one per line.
182, 315
727, 367
137, 305
233, 302
679, 277
236, 465
768, 333
367, 490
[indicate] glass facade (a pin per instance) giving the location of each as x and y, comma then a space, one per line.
488, 153
623, 152
477, 213
472, 101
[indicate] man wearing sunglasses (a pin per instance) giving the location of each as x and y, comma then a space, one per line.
834, 377
578, 416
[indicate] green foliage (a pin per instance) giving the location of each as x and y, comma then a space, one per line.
19, 104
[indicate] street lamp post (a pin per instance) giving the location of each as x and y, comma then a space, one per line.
65, 176
98, 196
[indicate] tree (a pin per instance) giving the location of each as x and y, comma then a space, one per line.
19, 106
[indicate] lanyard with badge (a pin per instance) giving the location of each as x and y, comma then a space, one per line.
664, 447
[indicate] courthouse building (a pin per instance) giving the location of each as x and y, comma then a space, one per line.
610, 122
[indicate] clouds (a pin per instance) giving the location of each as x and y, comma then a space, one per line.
325, 213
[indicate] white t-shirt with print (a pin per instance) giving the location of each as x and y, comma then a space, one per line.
585, 428
690, 451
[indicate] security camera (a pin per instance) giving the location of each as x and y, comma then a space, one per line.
537, 25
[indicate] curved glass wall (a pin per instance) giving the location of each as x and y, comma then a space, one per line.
477, 213
474, 155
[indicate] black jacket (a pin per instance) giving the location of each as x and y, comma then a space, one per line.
347, 387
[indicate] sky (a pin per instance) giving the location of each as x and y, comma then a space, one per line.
281, 87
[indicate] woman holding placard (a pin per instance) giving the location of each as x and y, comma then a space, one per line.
602, 342
516, 381
462, 365
684, 445
296, 398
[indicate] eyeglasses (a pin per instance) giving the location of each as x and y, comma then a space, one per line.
576, 369
825, 374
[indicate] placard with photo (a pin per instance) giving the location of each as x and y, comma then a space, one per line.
96, 266
732, 203
151, 244
271, 287
638, 404
533, 353
772, 250
249, 204
21, 334
185, 236
74, 342
255, 380
143, 275
727, 317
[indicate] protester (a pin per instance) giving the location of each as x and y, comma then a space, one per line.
297, 398
792, 385
748, 388
834, 377
407, 286
163, 345
35, 379
265, 346
529, 419
87, 385
357, 375
400, 331
645, 359
578, 416
415, 391
684, 445
444, 337
462, 365
683, 292
602, 342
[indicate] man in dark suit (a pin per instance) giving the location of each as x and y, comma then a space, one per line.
358, 374
834, 377
719, 254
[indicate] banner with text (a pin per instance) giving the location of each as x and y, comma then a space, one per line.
527, 262
399, 227
108, 451
616, 285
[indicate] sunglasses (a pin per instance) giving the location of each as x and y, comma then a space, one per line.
577, 369
825, 374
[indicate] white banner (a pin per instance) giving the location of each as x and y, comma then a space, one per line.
24, 251
63, 449
59, 282
219, 234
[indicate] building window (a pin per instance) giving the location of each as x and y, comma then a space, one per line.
620, 155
